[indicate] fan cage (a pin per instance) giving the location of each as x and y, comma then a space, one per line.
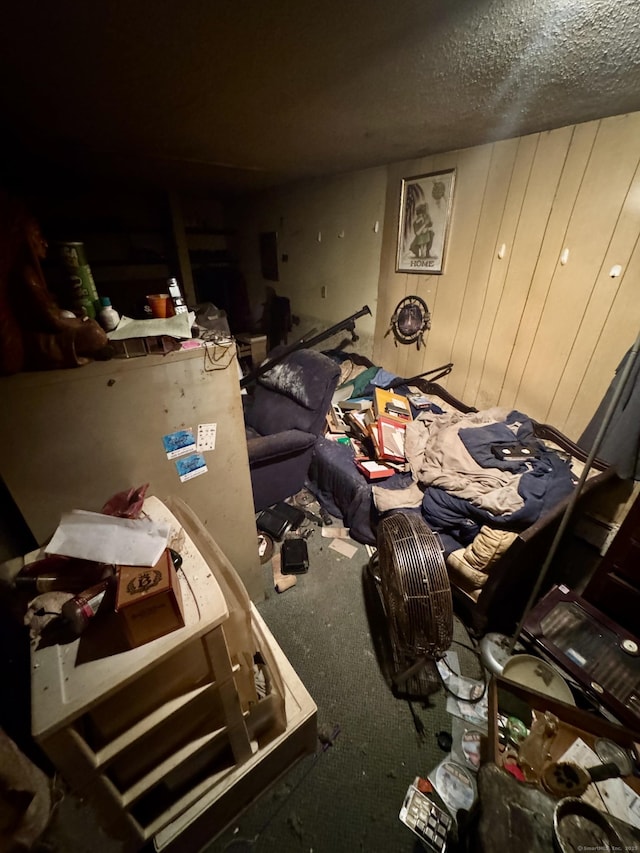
415, 588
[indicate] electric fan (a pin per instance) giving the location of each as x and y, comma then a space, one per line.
414, 589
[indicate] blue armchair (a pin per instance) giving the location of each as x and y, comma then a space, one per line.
283, 418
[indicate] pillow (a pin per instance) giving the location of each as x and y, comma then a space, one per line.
302, 377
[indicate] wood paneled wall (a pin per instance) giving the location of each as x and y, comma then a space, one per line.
525, 330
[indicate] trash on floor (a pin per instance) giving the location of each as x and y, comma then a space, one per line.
343, 548
281, 583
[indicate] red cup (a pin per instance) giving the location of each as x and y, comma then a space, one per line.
159, 304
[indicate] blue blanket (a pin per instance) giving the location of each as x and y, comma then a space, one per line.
545, 481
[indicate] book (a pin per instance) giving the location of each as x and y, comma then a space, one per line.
392, 405
359, 421
419, 401
373, 470
391, 435
358, 403
335, 420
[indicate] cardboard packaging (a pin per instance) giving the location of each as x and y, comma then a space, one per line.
149, 600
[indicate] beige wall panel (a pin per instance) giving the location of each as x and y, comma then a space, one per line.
525, 253
609, 292
619, 331
577, 157
479, 270
603, 190
345, 261
481, 386
446, 302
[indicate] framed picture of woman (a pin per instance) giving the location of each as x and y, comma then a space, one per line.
425, 213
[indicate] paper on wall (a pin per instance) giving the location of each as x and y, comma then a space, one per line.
206, 437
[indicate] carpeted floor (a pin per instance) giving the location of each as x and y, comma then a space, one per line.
347, 797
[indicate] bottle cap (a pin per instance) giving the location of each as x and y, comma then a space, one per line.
105, 302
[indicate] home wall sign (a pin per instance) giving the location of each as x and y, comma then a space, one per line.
423, 224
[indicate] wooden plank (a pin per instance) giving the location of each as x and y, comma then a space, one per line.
196, 820
524, 255
604, 187
583, 137
619, 330
472, 166
480, 387
174, 761
484, 251
218, 652
151, 721
61, 460
605, 296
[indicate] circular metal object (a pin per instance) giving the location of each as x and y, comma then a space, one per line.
411, 320
610, 752
630, 647
455, 785
579, 826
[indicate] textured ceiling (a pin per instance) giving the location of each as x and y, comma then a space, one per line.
239, 94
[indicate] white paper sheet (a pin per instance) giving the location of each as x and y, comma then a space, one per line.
107, 539
343, 548
176, 327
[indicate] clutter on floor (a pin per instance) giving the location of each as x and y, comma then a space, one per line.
496, 719
159, 693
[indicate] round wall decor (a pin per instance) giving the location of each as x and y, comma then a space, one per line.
410, 321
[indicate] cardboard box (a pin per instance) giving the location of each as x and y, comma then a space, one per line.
149, 600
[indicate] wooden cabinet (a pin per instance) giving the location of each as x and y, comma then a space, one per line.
173, 738
79, 436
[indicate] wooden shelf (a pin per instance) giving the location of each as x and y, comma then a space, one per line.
154, 735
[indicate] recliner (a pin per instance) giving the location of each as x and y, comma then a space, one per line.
283, 418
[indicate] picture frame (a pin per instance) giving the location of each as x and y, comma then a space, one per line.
426, 202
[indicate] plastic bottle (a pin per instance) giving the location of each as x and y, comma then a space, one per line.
108, 317
49, 583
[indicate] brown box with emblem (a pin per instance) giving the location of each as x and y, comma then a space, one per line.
149, 600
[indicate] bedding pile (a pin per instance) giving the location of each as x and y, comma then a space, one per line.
463, 485
456, 471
